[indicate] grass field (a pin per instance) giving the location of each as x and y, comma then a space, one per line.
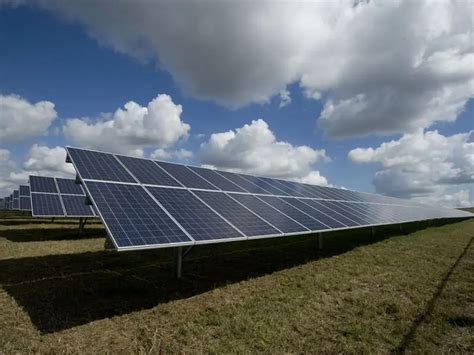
60, 292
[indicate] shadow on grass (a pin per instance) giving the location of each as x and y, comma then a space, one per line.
428, 310
63, 291
49, 234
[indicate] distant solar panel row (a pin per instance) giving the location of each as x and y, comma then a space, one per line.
58, 197
149, 204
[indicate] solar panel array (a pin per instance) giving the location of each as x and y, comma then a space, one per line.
151, 204
58, 197
25, 198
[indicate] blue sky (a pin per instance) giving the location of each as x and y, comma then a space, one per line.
60, 55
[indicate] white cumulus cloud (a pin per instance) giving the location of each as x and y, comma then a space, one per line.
40, 160
254, 149
166, 154
21, 120
131, 129
378, 66
422, 165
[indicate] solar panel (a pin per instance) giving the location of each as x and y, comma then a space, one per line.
71, 197
24, 190
345, 210
46, 205
133, 218
25, 203
270, 214
75, 206
194, 216
306, 220
247, 222
16, 203
16, 194
269, 187
243, 183
186, 176
148, 172
69, 186
145, 203
216, 179
284, 186
322, 207
321, 217
42, 184
99, 166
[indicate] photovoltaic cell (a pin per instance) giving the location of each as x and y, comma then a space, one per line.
327, 220
24, 190
42, 184
69, 186
16, 203
99, 166
243, 183
275, 217
239, 216
133, 218
16, 194
186, 176
148, 172
265, 185
193, 215
345, 210
216, 179
46, 205
322, 206
288, 189
75, 206
289, 210
25, 203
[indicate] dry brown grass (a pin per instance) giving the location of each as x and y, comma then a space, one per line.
62, 293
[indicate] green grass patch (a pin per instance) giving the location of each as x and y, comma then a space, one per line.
61, 292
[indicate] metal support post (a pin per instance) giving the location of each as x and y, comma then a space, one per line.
319, 239
82, 223
52, 219
179, 262
373, 232
401, 229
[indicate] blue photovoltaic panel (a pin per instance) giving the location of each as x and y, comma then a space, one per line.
98, 166
285, 186
345, 210
186, 176
24, 190
216, 179
304, 219
25, 203
133, 218
75, 206
42, 184
16, 194
69, 186
270, 214
323, 207
270, 187
194, 216
47, 205
147, 172
16, 203
243, 183
296, 189
327, 220
239, 216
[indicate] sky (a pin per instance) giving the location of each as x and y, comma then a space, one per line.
372, 96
